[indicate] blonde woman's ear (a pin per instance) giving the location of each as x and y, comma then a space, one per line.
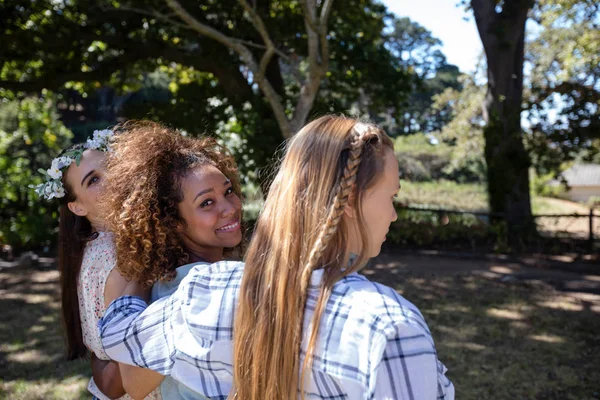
350, 211
349, 208
77, 209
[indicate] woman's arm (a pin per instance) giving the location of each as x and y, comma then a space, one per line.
138, 382
410, 368
107, 377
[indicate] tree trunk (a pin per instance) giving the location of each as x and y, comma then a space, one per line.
503, 36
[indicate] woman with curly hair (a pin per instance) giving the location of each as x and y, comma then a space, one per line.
297, 320
171, 202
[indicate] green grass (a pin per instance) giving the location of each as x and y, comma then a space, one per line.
499, 340
508, 340
444, 194
32, 364
467, 197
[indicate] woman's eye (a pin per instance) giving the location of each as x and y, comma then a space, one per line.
206, 203
93, 180
229, 191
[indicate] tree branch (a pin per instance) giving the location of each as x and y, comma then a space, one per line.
264, 34
318, 59
246, 56
201, 28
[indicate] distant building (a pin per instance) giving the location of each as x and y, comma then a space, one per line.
583, 181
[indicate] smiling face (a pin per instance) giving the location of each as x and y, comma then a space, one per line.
212, 212
84, 181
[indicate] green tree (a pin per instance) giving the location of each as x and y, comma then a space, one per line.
31, 135
275, 55
464, 131
563, 99
419, 53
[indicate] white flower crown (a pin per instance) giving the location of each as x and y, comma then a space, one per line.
53, 187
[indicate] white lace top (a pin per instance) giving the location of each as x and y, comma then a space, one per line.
99, 259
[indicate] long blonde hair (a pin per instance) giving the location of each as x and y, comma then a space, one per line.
332, 161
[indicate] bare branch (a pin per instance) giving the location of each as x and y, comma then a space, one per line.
262, 30
308, 17
323, 30
318, 58
201, 28
325, 13
154, 14
280, 53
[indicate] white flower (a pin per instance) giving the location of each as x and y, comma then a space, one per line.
48, 191
214, 102
59, 192
54, 172
103, 134
92, 144
62, 162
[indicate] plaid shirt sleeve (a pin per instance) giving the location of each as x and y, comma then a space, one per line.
145, 340
410, 369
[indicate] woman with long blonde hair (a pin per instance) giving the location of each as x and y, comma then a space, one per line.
296, 320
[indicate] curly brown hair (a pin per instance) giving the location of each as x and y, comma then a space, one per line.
144, 172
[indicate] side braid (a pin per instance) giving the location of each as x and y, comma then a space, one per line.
341, 199
334, 217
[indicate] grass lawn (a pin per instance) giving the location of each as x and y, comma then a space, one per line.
32, 364
499, 340
510, 341
472, 197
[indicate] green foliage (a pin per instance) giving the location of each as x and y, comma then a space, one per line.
83, 45
427, 157
465, 129
563, 95
420, 160
547, 185
418, 52
31, 135
431, 228
443, 194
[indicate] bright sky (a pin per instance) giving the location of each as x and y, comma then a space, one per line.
461, 43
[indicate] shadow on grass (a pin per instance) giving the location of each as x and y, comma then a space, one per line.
32, 362
503, 340
506, 340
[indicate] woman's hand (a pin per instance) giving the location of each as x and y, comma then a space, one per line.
107, 377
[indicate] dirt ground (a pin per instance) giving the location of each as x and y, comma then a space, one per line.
543, 321
578, 227
577, 280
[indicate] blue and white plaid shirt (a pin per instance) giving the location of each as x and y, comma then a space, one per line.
373, 343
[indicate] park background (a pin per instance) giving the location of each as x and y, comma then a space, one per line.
493, 106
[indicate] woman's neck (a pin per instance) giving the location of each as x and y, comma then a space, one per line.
97, 226
210, 256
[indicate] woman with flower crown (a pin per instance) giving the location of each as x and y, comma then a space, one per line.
86, 260
150, 183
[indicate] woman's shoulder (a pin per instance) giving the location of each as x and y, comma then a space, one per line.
215, 272
100, 253
103, 242
381, 304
